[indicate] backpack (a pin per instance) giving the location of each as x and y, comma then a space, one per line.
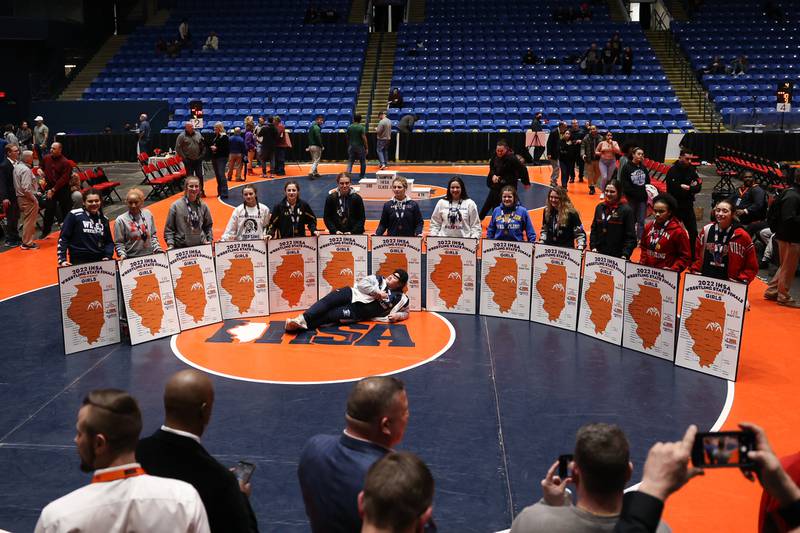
774, 210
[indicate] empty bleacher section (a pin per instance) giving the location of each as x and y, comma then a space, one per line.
729, 28
471, 77
268, 62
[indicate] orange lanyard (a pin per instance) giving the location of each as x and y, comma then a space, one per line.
118, 474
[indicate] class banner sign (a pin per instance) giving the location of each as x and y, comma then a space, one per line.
342, 261
452, 275
712, 319
89, 305
241, 268
651, 305
149, 298
506, 279
195, 286
292, 273
602, 297
391, 253
556, 286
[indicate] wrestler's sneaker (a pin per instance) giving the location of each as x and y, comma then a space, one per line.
291, 325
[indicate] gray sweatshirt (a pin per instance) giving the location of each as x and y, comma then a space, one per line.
134, 237
180, 232
190, 146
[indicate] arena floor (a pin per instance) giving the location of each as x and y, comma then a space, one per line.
493, 402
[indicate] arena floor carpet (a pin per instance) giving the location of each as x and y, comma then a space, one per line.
493, 402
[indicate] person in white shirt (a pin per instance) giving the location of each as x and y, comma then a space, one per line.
249, 221
121, 496
456, 215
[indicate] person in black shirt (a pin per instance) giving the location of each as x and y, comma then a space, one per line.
344, 209
220, 150
683, 184
566, 157
504, 169
634, 178
401, 216
613, 231
291, 216
750, 201
561, 223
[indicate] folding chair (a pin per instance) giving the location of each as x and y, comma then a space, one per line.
160, 185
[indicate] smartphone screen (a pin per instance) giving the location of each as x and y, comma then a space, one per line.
243, 471
723, 449
564, 465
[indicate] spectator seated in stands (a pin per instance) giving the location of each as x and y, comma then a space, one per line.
750, 201
173, 48
600, 471
529, 58
184, 35
717, 66
395, 99
311, 16
329, 15
417, 49
740, 66
212, 42
397, 495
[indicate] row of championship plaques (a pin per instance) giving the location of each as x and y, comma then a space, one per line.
604, 297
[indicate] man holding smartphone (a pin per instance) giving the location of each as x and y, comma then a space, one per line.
175, 451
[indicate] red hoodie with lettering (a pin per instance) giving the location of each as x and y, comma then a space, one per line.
666, 246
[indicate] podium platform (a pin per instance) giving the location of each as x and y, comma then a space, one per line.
380, 187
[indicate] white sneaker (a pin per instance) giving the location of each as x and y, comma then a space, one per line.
291, 325
602, 196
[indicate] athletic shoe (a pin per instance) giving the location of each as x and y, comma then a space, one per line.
572, 180
790, 302
12, 244
771, 296
31, 246
291, 325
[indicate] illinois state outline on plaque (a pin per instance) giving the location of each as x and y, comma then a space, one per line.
190, 291
552, 287
391, 262
339, 272
290, 278
600, 298
238, 281
86, 310
502, 280
705, 327
645, 309
447, 276
146, 302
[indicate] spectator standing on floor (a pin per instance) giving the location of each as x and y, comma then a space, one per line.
553, 151
41, 137
191, 146
613, 226
504, 169
683, 183
282, 143
236, 157
634, 176
144, 134
8, 195
406, 123
590, 158
357, 145
577, 134
607, 151
665, 242
724, 249
121, 496
787, 233
250, 144
383, 135
344, 209
9, 135
25, 136
315, 146
26, 186
189, 221
135, 232
57, 171
266, 135
566, 158
537, 148
220, 150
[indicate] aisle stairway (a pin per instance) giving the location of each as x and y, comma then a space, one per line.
365, 90
383, 80
416, 11
616, 12
674, 63
676, 9
358, 9
93, 68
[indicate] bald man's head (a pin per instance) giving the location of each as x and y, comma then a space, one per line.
188, 401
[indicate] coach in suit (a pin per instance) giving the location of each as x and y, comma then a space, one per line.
175, 451
8, 194
332, 468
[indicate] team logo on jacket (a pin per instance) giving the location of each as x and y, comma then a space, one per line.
258, 349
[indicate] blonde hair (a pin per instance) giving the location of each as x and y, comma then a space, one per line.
401, 180
136, 192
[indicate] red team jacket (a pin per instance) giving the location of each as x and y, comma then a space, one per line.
742, 261
670, 250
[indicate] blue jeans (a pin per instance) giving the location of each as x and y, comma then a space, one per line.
353, 153
219, 171
382, 147
639, 212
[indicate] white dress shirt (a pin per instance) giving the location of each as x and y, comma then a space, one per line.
140, 503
